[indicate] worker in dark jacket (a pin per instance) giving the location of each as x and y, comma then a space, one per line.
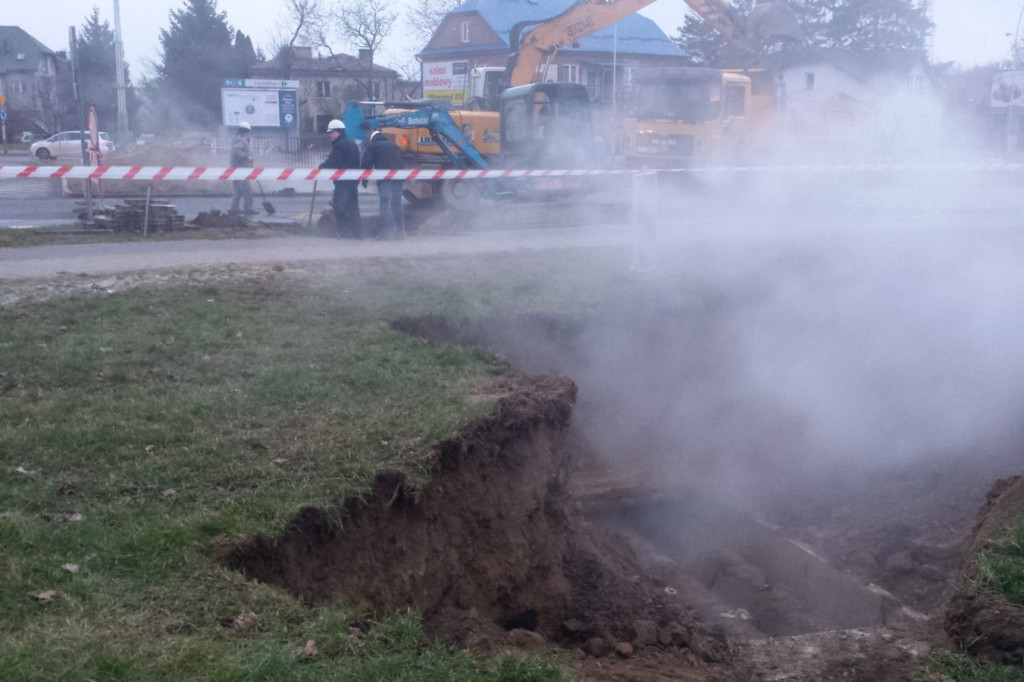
383, 153
345, 202
241, 157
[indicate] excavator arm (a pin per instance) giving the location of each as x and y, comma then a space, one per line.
722, 17
446, 133
533, 50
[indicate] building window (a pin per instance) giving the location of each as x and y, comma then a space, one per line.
735, 100
18, 85
323, 89
464, 28
809, 80
570, 73
320, 123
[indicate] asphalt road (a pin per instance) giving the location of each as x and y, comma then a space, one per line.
732, 212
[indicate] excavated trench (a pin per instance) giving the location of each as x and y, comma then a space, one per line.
530, 531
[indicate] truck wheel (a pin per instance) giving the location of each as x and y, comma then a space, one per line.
461, 195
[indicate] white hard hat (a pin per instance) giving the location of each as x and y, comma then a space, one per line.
336, 124
244, 125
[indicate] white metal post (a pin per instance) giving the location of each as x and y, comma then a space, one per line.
645, 220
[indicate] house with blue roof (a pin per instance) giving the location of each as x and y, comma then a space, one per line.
476, 34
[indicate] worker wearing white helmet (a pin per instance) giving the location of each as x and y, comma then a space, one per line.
345, 202
383, 153
241, 157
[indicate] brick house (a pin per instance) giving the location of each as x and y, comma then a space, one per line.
327, 84
477, 34
36, 82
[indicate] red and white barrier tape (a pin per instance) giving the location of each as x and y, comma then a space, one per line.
268, 174
156, 173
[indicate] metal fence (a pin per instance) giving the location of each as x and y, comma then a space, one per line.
278, 152
293, 152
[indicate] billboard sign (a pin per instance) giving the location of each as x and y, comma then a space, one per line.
263, 103
446, 80
1008, 89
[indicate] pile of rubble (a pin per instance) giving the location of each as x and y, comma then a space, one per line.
135, 216
216, 218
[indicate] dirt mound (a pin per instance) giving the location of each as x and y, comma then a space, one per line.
978, 621
491, 547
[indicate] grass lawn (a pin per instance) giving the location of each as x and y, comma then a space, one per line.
960, 667
1000, 572
144, 429
141, 432
1001, 566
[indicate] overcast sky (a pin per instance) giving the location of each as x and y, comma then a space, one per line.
969, 33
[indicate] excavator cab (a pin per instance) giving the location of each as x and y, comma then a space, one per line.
547, 125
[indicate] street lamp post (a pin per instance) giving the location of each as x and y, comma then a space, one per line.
1017, 57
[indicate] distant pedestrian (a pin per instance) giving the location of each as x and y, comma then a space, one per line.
345, 202
383, 153
241, 157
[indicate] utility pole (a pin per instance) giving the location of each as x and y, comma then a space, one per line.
73, 43
122, 101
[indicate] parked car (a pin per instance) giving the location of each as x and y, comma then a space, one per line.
68, 144
29, 138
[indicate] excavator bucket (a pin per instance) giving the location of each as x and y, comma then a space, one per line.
774, 22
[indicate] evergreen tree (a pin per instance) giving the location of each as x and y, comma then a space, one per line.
245, 53
865, 26
814, 17
97, 64
879, 25
197, 55
705, 45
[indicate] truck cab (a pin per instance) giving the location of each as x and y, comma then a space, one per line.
678, 115
547, 125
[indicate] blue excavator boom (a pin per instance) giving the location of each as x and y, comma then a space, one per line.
458, 149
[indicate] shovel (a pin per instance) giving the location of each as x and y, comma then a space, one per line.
312, 203
267, 206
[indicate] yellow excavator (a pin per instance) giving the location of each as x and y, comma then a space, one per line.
530, 110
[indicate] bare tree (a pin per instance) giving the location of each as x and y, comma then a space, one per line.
425, 16
364, 24
300, 21
326, 24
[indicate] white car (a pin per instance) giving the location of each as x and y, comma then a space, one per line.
68, 144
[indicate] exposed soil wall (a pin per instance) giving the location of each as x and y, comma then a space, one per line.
980, 622
493, 543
